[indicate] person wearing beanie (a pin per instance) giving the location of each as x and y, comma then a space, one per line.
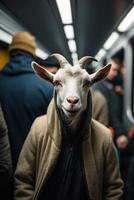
23, 95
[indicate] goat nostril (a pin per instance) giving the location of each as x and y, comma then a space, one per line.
76, 101
73, 100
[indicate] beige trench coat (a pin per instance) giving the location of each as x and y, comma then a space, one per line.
42, 148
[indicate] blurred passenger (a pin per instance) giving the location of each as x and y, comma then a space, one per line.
125, 154
118, 82
5, 159
23, 95
106, 87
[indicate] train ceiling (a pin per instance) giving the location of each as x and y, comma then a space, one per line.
93, 21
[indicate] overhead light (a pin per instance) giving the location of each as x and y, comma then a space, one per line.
5, 37
69, 31
75, 62
100, 54
72, 45
41, 54
111, 40
74, 58
65, 11
127, 21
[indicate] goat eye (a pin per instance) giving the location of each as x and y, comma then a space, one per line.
86, 83
57, 83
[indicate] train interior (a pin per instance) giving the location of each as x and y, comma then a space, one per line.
76, 28
89, 36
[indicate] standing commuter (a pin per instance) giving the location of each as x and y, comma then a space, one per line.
115, 124
23, 95
114, 97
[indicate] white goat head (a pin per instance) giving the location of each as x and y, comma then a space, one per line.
72, 83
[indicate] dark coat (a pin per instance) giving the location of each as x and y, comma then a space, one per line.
129, 189
23, 96
5, 156
107, 89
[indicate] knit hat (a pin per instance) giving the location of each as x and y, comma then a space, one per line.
23, 41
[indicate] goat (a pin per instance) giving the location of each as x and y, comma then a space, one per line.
72, 84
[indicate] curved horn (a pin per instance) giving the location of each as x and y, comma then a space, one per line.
85, 60
62, 60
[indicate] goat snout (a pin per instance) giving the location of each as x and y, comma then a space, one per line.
72, 100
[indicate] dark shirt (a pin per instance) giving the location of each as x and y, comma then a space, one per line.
67, 181
129, 189
107, 89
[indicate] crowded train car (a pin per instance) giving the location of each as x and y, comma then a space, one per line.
67, 100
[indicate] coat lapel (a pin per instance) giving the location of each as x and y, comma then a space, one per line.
50, 149
90, 168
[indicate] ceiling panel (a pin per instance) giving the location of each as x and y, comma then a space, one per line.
93, 22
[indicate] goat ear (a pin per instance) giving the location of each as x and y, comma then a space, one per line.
100, 74
42, 72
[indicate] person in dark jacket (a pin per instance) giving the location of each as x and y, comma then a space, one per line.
5, 158
115, 124
23, 95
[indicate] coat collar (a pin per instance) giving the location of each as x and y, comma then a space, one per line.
53, 123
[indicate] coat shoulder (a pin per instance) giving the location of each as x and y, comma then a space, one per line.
40, 123
39, 126
100, 132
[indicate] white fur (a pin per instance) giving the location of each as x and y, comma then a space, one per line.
72, 84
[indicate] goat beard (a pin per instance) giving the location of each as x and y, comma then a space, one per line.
79, 120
